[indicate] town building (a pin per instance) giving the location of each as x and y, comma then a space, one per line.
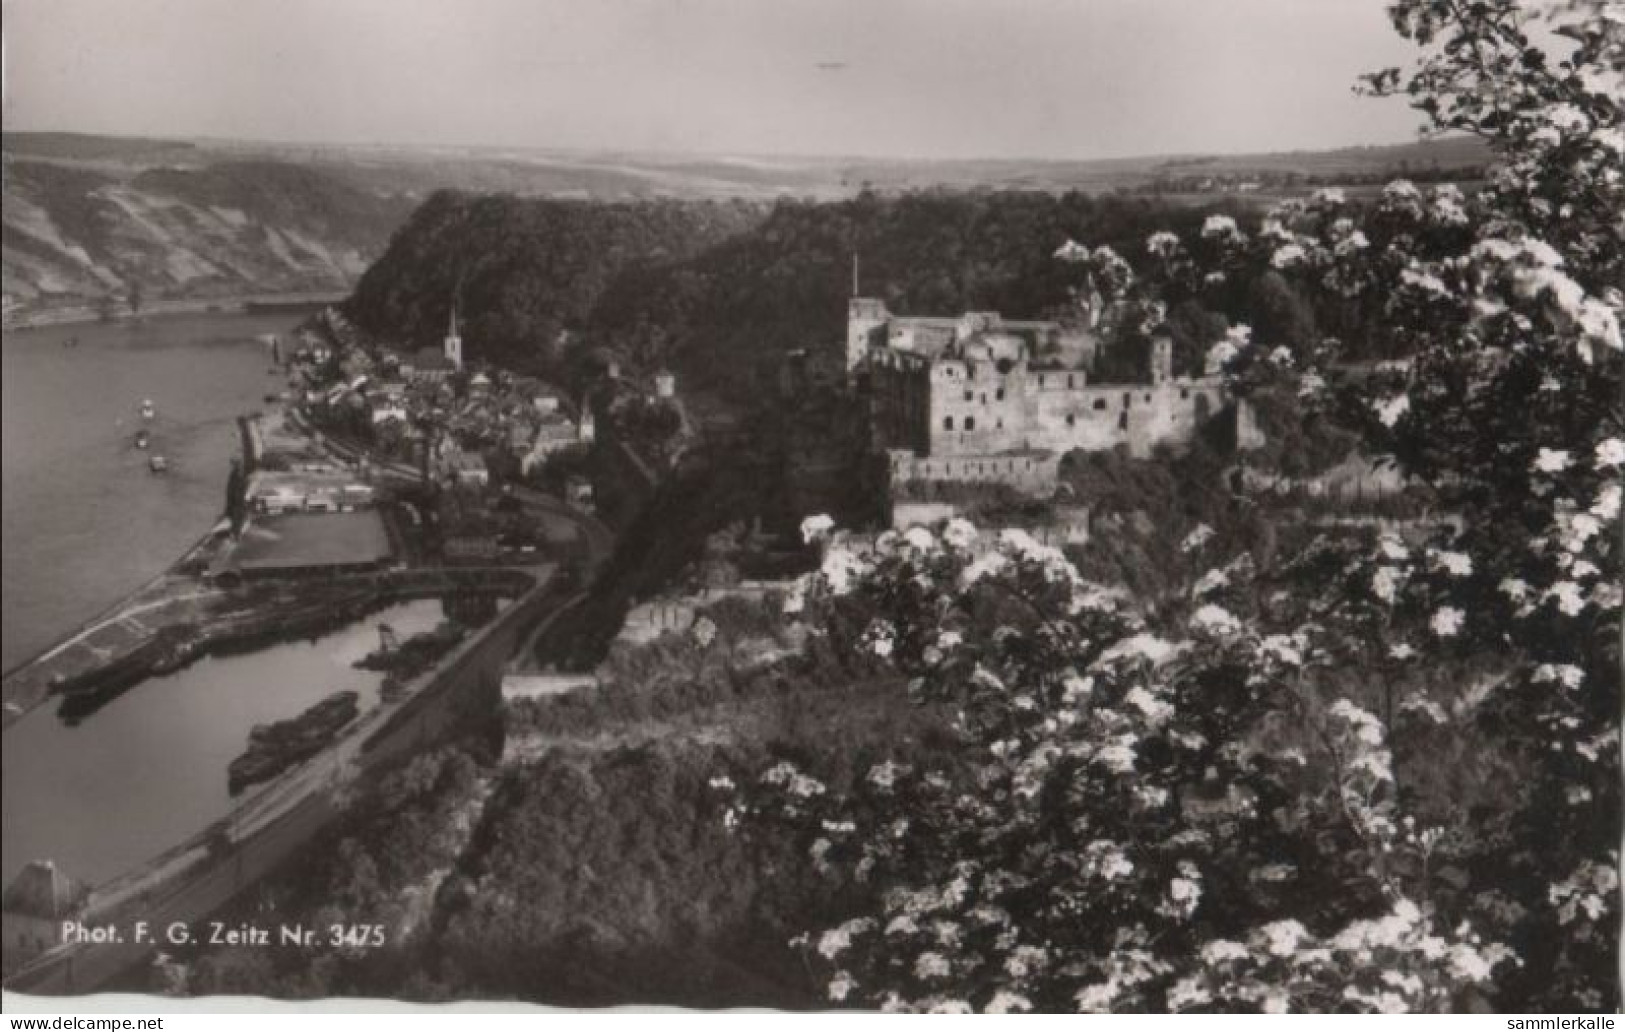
34, 908
552, 435
468, 469
428, 364
273, 493
468, 529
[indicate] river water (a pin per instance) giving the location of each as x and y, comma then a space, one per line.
85, 523
149, 769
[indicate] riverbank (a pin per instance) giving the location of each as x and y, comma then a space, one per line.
173, 618
231, 304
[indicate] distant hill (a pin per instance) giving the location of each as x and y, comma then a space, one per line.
79, 234
96, 221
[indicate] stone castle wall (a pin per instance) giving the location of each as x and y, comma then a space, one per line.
982, 412
955, 408
1030, 471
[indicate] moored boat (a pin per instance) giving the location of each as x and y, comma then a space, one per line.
158, 464
148, 411
142, 438
273, 748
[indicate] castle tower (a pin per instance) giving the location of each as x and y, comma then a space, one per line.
864, 315
454, 341
1162, 359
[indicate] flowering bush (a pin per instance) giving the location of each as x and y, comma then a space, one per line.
1237, 801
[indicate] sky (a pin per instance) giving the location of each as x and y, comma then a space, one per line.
1077, 79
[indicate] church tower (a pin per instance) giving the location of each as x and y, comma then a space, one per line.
454, 340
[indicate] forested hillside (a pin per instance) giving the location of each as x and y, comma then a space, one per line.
720, 290
524, 269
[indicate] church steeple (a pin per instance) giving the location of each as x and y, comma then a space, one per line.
454, 340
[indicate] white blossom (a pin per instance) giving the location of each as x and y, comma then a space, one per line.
959, 534
1389, 410
1457, 564
1552, 460
1155, 710
1606, 508
841, 986
1288, 255
1196, 538
1566, 674
1610, 452
816, 528
1162, 244
1215, 620
1385, 583
1446, 621
931, 965
1281, 938
1006, 1002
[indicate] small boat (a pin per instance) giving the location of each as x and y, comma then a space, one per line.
142, 438
158, 464
147, 409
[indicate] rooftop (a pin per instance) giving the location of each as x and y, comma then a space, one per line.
40, 890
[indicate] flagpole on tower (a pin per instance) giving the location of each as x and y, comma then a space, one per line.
855, 274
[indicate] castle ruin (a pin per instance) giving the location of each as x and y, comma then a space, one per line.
981, 398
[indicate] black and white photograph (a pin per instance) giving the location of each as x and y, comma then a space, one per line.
860, 506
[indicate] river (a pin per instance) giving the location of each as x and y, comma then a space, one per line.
85, 523
149, 769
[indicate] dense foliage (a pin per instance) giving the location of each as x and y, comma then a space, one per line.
721, 291
1381, 772
520, 270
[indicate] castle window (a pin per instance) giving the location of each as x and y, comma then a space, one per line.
1100, 404
1184, 392
998, 395
1069, 382
1122, 421
970, 422
1041, 380
969, 395
947, 422
1148, 397
1001, 425
1071, 420
1128, 399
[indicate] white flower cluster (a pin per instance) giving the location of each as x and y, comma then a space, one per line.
1535, 271
1215, 621
1196, 538
1389, 410
1288, 256
1587, 894
1221, 227
792, 781
1163, 244
1407, 965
